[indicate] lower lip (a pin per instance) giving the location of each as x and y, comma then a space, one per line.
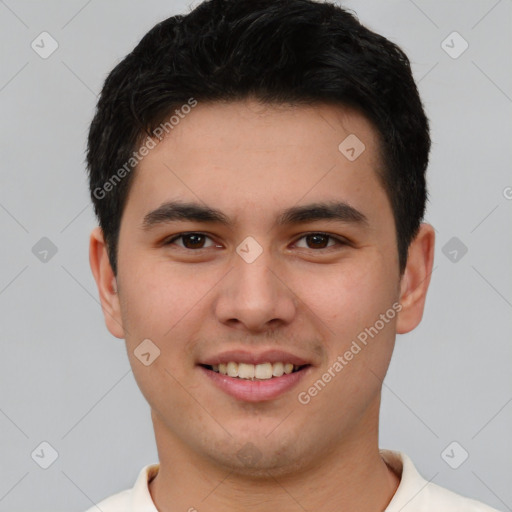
255, 390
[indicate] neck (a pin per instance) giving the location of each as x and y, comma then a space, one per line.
352, 477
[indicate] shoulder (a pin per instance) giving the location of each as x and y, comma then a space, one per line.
438, 496
415, 494
136, 499
116, 503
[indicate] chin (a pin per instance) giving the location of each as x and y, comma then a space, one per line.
257, 457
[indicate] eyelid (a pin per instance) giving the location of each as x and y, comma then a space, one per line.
172, 239
341, 241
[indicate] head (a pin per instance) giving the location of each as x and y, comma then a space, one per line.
299, 52
252, 110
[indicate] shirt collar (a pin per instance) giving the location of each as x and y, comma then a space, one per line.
141, 500
411, 483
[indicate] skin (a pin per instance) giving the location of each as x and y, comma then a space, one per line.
251, 161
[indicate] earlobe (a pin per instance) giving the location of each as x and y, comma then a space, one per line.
106, 283
416, 279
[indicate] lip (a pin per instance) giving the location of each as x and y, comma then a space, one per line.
267, 356
255, 390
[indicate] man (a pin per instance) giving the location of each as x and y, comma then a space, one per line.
258, 172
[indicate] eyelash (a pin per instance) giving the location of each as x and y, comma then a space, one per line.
340, 241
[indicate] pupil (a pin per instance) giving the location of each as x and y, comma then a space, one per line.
192, 237
317, 237
314, 239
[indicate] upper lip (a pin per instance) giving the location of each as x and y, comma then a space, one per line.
244, 356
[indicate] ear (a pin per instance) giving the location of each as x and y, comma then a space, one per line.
106, 283
416, 279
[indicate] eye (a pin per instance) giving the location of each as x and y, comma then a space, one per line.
190, 240
196, 241
319, 240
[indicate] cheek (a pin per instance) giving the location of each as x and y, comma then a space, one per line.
156, 297
350, 296
350, 301
158, 303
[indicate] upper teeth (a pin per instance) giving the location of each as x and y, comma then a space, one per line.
254, 371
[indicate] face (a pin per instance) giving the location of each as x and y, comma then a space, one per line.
260, 276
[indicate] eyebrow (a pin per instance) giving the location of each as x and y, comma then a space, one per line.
190, 211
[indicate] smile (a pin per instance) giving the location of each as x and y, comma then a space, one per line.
263, 371
253, 382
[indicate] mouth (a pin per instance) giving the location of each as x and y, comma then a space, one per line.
255, 382
262, 371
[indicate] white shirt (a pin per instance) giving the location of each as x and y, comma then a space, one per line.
414, 494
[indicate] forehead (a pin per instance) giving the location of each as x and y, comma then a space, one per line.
245, 157
224, 129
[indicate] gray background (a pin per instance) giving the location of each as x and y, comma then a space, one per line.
65, 380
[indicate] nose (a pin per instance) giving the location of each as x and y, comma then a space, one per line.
255, 296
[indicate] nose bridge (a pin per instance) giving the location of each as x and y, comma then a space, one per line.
253, 294
254, 278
